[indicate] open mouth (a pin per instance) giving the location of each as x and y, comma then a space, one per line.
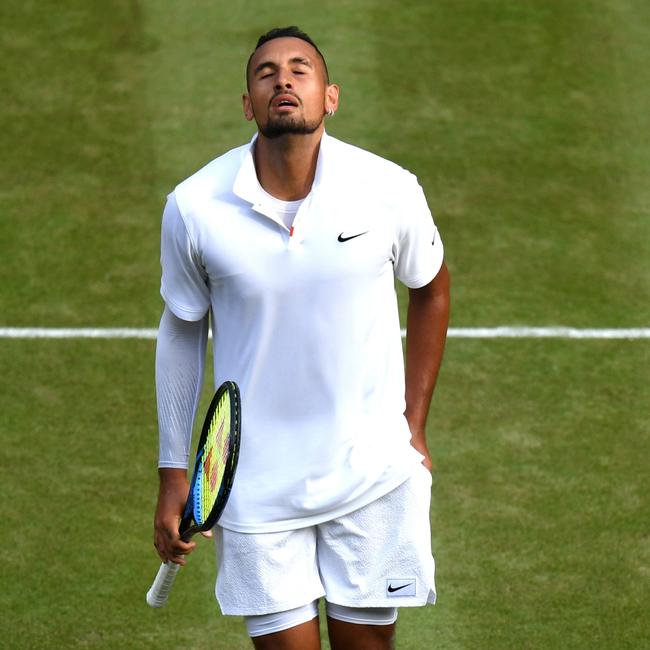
285, 101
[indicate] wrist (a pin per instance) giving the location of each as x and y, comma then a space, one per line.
417, 427
173, 486
172, 475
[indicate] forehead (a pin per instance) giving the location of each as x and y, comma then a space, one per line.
281, 50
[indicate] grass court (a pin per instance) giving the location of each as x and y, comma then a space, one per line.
528, 126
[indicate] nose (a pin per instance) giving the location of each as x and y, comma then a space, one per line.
283, 80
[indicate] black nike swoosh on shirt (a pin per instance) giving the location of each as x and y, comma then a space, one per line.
343, 239
392, 589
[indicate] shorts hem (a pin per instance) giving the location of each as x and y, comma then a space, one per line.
430, 599
280, 627
271, 608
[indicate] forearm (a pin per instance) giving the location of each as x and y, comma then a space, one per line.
180, 354
426, 333
180, 358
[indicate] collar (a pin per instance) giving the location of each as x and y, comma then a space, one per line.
247, 185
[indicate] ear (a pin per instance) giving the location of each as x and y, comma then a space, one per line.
332, 97
248, 107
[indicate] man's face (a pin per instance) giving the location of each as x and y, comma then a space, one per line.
288, 91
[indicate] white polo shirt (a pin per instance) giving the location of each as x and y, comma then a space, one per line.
305, 320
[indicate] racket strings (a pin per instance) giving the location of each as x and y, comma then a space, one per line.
215, 457
215, 466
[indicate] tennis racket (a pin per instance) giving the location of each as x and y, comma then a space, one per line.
214, 470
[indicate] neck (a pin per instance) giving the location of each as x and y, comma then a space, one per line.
286, 166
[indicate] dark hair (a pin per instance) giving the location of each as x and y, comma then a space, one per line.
286, 32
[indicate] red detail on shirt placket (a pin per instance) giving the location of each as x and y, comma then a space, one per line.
291, 231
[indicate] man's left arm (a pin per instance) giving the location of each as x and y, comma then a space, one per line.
426, 333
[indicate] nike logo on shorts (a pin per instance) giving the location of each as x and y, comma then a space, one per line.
400, 587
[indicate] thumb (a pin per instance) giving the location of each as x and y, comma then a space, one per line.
207, 533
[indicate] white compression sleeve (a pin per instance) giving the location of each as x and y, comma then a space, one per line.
180, 359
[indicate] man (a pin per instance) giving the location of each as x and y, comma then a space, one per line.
292, 243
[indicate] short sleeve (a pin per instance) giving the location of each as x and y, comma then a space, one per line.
418, 250
183, 286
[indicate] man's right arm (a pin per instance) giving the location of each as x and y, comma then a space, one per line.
180, 356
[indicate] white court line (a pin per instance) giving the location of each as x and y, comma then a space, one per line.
546, 333
77, 333
454, 332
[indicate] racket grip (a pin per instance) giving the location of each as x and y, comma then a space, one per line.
162, 584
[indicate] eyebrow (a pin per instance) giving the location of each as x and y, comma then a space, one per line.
296, 59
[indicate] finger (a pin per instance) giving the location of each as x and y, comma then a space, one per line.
160, 543
178, 559
162, 553
207, 533
175, 554
180, 548
170, 546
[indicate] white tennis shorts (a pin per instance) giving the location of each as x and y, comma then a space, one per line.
377, 556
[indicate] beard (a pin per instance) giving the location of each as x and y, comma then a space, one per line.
278, 126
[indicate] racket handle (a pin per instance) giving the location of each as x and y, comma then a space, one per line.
162, 584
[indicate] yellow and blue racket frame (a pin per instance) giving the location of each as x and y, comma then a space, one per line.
198, 515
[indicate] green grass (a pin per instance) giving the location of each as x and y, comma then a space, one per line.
546, 493
528, 127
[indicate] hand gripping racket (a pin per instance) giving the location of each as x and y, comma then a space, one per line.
214, 470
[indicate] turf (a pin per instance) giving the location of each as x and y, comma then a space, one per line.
527, 125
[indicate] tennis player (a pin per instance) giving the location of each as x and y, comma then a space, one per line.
291, 245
